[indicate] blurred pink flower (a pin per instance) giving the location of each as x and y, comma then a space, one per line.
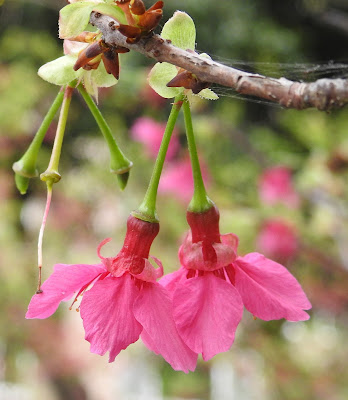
124, 302
277, 239
213, 283
149, 132
276, 186
149, 96
177, 179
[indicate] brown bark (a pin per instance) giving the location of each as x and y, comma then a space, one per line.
323, 94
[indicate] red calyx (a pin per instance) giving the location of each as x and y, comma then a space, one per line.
137, 243
204, 226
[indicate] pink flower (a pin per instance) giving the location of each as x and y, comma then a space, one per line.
177, 179
212, 285
276, 186
150, 133
124, 302
277, 239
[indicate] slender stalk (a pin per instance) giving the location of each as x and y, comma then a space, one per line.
52, 174
26, 166
119, 164
200, 202
147, 209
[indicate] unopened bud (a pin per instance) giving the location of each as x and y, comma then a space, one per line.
22, 183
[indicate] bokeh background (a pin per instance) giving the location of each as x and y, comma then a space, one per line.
238, 141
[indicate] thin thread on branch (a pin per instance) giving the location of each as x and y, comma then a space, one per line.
323, 94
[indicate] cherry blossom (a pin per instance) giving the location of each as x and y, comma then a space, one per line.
177, 179
277, 239
276, 186
213, 284
150, 132
124, 303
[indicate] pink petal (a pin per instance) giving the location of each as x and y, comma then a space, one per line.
268, 289
207, 311
230, 239
153, 309
107, 313
169, 281
149, 273
61, 285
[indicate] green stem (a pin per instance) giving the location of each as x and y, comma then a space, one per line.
26, 166
200, 202
119, 164
51, 174
147, 209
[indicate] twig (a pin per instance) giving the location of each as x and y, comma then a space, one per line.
324, 94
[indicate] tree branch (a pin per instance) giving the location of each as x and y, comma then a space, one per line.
323, 94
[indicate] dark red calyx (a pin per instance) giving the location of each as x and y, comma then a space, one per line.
139, 237
204, 226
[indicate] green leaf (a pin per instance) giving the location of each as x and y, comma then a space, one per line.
60, 71
101, 78
74, 18
90, 85
112, 11
208, 94
180, 29
159, 76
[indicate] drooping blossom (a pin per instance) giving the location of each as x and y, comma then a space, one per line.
276, 186
124, 303
277, 239
150, 132
213, 284
177, 179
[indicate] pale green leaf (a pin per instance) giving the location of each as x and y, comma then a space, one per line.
112, 11
208, 94
180, 29
74, 18
60, 71
159, 76
101, 78
90, 85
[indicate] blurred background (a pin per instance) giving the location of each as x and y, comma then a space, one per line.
279, 178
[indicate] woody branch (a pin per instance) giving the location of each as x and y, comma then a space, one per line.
323, 94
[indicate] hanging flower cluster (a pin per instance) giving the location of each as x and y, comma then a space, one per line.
197, 309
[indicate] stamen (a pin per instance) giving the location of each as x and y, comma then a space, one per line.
42, 229
85, 287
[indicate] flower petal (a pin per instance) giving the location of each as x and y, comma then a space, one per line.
61, 285
107, 313
207, 311
153, 309
268, 289
169, 281
150, 273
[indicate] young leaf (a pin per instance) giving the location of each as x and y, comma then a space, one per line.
60, 71
74, 18
180, 29
112, 11
159, 76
